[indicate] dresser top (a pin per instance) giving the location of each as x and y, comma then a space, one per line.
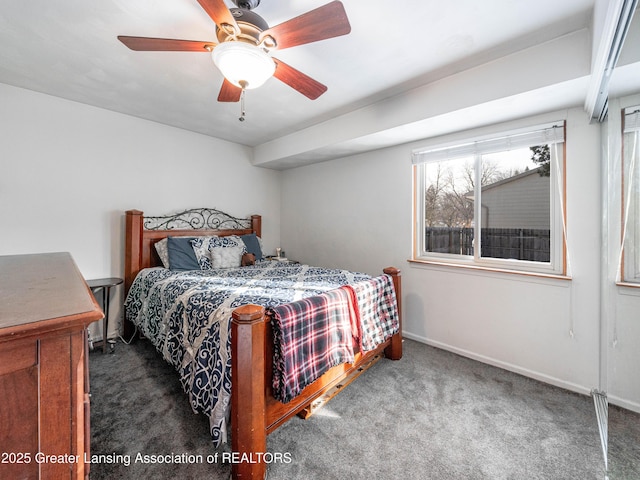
43, 287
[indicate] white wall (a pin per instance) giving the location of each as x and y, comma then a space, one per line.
355, 212
68, 172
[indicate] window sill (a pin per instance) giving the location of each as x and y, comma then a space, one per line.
628, 284
552, 276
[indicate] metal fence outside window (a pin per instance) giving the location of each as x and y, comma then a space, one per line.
513, 243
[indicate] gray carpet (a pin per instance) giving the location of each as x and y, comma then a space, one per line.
431, 415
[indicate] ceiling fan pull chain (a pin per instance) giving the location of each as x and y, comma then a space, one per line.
242, 106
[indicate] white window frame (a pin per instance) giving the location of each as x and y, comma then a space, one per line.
631, 195
552, 134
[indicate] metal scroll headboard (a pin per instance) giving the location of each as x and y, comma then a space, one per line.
197, 219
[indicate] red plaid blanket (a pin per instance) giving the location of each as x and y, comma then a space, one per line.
377, 311
310, 336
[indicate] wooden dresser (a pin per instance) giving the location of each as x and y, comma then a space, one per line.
45, 307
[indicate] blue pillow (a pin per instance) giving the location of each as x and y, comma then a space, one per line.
181, 254
252, 244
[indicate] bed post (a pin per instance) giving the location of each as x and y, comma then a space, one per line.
394, 351
256, 224
132, 255
248, 401
133, 247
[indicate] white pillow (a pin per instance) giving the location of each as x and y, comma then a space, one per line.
226, 257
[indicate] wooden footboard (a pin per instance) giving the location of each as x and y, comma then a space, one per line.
254, 411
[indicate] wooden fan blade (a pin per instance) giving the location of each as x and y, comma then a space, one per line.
324, 22
297, 80
219, 13
165, 44
229, 92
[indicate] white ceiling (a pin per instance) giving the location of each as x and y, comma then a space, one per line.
68, 48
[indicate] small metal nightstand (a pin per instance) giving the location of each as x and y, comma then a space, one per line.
105, 284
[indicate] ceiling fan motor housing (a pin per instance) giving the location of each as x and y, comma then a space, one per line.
251, 25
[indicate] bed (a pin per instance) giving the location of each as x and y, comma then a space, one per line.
238, 327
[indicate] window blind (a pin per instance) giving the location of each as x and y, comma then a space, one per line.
532, 136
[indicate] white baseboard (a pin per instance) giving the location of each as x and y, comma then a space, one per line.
626, 404
581, 389
504, 365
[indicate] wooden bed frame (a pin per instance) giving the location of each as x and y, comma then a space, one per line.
254, 411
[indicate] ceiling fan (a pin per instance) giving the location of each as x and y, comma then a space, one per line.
245, 40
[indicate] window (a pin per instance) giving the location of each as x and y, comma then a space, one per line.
494, 201
631, 195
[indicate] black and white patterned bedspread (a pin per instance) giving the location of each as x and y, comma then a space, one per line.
187, 316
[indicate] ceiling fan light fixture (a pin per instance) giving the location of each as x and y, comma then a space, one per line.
246, 66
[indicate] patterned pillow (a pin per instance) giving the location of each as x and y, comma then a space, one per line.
201, 249
163, 251
204, 245
228, 241
227, 257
